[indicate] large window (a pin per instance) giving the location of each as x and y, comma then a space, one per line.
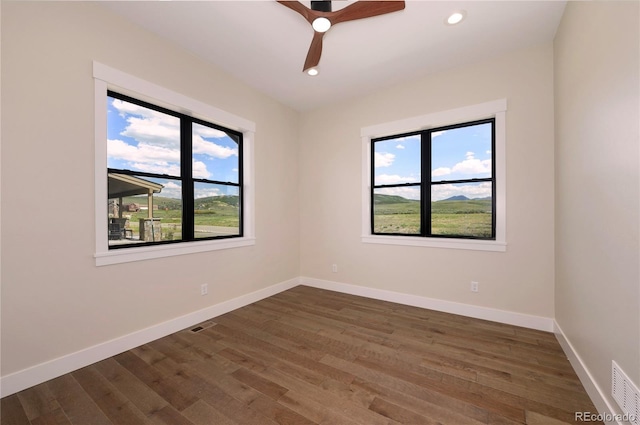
437, 180
435, 183
171, 177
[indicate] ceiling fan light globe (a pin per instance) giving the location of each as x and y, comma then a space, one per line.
313, 71
321, 24
456, 17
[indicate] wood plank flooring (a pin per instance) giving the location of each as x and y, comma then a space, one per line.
309, 356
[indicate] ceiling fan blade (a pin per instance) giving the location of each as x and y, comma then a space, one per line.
357, 10
315, 51
365, 9
306, 13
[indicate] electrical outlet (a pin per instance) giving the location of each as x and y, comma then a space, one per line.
334, 268
204, 289
474, 286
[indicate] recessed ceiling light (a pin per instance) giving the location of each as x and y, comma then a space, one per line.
312, 71
456, 17
321, 24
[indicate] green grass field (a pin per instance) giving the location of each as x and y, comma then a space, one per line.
215, 211
394, 214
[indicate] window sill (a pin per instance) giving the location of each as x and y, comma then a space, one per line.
118, 256
476, 245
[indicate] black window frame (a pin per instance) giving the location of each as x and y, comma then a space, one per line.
426, 182
186, 174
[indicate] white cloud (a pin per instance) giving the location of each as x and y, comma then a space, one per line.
157, 131
157, 168
470, 165
405, 192
199, 170
399, 146
204, 131
153, 159
171, 189
205, 193
437, 133
383, 159
201, 146
393, 179
125, 108
118, 149
442, 171
473, 166
148, 126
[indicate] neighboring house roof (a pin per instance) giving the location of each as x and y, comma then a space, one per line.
121, 185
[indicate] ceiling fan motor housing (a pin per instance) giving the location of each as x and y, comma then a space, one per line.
321, 5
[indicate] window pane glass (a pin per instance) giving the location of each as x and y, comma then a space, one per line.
141, 139
397, 160
463, 209
461, 153
216, 210
397, 210
215, 155
143, 209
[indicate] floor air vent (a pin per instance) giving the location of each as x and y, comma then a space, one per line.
202, 326
626, 394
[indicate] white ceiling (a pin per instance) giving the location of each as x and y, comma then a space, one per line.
264, 44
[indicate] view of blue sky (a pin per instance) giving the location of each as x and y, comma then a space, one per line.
142, 139
457, 154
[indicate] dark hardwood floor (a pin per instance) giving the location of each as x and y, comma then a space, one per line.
309, 356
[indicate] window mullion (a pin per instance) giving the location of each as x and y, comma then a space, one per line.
186, 161
425, 194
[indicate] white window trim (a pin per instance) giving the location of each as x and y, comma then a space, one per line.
107, 78
495, 109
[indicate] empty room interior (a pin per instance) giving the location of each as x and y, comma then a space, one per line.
441, 226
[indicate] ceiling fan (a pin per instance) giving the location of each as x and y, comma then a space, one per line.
322, 18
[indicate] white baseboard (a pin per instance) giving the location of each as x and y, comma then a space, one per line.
43, 372
594, 391
486, 313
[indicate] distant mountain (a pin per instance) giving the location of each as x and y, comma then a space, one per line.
216, 201
394, 199
208, 203
390, 199
464, 198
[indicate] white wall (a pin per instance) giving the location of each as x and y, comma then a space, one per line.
55, 301
519, 280
597, 86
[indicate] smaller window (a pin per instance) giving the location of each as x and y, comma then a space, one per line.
437, 180
435, 183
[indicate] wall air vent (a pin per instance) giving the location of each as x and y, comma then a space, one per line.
626, 394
